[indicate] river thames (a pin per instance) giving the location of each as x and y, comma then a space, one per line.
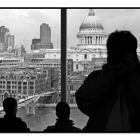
45, 116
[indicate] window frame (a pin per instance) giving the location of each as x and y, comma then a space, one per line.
63, 54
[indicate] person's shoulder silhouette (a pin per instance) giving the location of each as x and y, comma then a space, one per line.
113, 91
63, 123
11, 123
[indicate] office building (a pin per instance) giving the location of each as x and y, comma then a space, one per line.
45, 38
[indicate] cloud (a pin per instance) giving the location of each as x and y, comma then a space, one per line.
129, 20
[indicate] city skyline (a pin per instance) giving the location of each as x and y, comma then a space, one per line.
25, 23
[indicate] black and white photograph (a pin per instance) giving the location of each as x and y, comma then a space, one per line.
70, 70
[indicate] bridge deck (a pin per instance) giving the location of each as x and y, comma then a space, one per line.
25, 101
54, 105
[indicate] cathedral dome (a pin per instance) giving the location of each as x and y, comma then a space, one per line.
91, 22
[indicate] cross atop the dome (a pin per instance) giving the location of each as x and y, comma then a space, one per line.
91, 12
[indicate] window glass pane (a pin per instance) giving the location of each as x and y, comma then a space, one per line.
88, 30
30, 63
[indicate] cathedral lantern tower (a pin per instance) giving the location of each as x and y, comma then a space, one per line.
91, 32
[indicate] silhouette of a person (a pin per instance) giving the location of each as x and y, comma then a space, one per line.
111, 96
63, 123
11, 123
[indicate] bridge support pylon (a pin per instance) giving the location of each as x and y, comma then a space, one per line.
30, 108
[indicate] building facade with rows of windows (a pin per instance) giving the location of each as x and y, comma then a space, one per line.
23, 83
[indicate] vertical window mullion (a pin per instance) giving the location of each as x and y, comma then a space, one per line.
63, 54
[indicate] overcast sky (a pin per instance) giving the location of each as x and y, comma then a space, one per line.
25, 23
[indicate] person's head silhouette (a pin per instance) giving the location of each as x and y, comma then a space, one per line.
10, 106
63, 111
119, 45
